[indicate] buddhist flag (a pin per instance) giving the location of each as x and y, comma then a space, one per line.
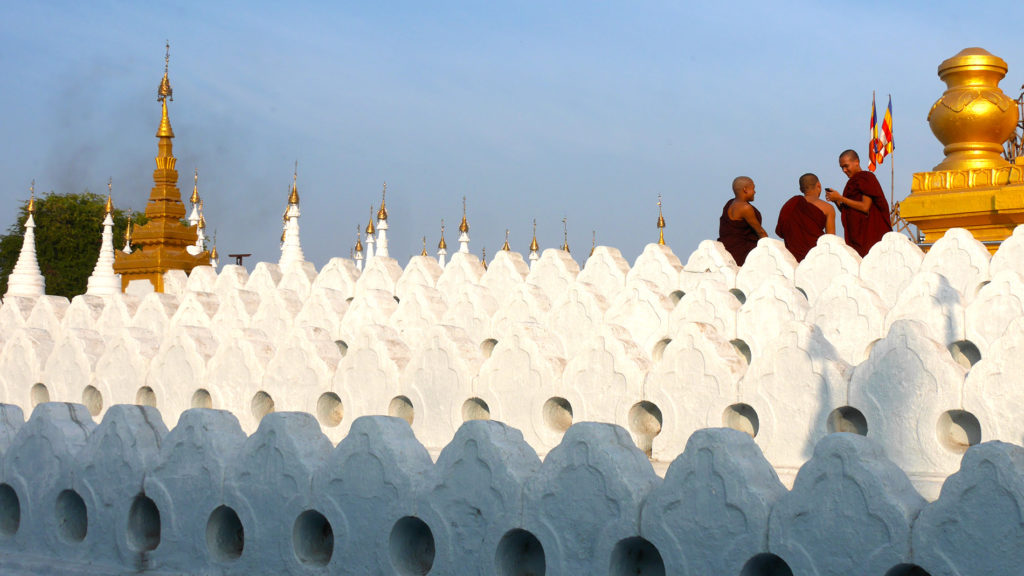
875, 146
887, 145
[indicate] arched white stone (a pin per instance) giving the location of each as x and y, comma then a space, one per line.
298, 278
324, 308
992, 390
961, 259
526, 303
710, 256
418, 312
84, 311
235, 310
506, 272
15, 310
121, 369
196, 309
696, 379
201, 279
793, 386
709, 302
932, 300
368, 376
264, 278
578, 314
155, 312
70, 366
300, 370
230, 277
48, 313
903, 389
606, 270
604, 377
234, 374
462, 270
996, 306
118, 314
179, 368
890, 266
767, 311
1010, 255
367, 308
644, 310
21, 363
658, 265
769, 259
276, 313
829, 258
419, 271
381, 273
554, 272
338, 274
850, 315
471, 308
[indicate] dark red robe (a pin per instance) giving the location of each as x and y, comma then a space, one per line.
800, 225
864, 230
739, 238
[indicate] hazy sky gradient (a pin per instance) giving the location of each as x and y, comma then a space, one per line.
541, 110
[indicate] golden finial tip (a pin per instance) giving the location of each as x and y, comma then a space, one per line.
213, 253
369, 227
382, 214
424, 252
506, 247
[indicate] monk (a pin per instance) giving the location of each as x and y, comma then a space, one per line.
864, 210
804, 218
739, 228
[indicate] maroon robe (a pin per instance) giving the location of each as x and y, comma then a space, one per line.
800, 225
864, 230
739, 238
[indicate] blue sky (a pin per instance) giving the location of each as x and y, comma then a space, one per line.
532, 110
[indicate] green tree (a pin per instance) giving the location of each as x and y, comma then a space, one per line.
68, 235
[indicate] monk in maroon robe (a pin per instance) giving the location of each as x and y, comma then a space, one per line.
739, 228
804, 218
864, 209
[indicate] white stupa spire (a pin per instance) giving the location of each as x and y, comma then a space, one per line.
370, 231
464, 230
128, 235
196, 218
382, 225
534, 247
103, 281
442, 247
291, 248
359, 250
26, 279
193, 218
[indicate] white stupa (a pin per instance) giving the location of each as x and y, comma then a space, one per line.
103, 281
382, 225
358, 256
26, 279
370, 231
464, 230
534, 247
442, 248
291, 247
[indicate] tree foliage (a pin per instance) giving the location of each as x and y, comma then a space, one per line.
68, 234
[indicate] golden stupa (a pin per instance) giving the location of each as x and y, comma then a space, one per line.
975, 187
160, 244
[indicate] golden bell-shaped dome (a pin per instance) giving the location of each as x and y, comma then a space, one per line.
370, 230
442, 245
382, 214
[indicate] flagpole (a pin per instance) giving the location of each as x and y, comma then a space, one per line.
892, 161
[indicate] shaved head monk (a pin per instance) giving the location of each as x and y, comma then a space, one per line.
804, 218
864, 210
739, 228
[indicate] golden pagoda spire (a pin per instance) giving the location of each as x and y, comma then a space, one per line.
464, 225
32, 197
506, 247
593, 241
424, 252
359, 239
128, 230
213, 253
382, 214
483, 256
195, 187
293, 197
165, 91
533, 244
369, 227
565, 234
661, 223
109, 208
442, 245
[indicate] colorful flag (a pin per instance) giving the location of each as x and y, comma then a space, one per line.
887, 144
875, 145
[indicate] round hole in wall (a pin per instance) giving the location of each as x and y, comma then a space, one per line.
93, 400
519, 552
313, 538
741, 417
558, 414
742, 349
907, 570
766, 565
958, 430
475, 409
72, 517
143, 524
659, 349
645, 424
329, 409
739, 295
676, 296
39, 394
342, 346
10, 511
965, 353
201, 399
847, 419
261, 405
412, 546
636, 556
401, 407
487, 347
225, 537
145, 397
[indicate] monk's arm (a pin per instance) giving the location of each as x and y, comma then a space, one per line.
830, 220
862, 205
751, 219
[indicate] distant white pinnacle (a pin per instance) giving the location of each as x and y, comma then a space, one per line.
103, 281
291, 249
26, 279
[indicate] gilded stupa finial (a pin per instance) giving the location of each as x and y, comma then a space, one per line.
213, 253
442, 245
128, 230
195, 187
593, 241
483, 256
533, 244
165, 91
464, 225
565, 234
506, 247
369, 227
32, 197
661, 223
424, 251
382, 214
293, 196
109, 208
359, 240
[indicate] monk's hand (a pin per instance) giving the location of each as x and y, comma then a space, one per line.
832, 196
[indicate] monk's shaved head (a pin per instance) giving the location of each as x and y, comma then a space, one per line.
807, 181
741, 182
849, 154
